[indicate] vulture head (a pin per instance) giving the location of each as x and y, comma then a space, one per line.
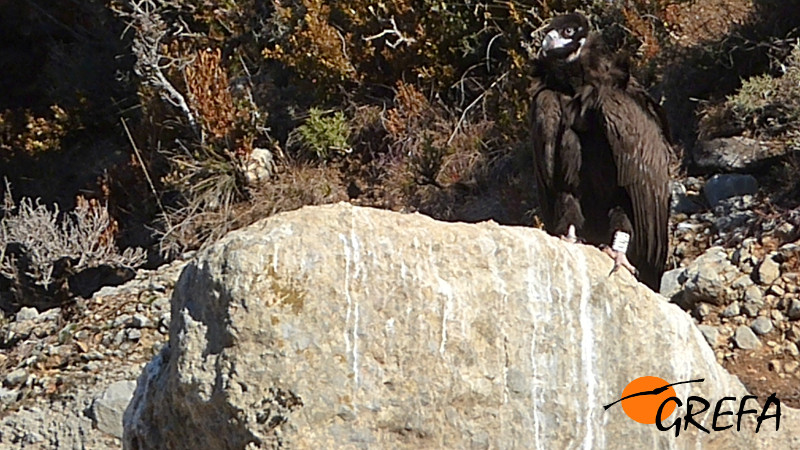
564, 37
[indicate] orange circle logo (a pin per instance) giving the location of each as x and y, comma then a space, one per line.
643, 396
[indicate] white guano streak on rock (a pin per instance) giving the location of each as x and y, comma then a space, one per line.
356, 261
503, 291
351, 255
587, 348
540, 300
565, 304
347, 291
446, 291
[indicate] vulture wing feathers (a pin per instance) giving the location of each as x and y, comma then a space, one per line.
641, 153
556, 154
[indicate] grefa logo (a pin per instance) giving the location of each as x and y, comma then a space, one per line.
651, 400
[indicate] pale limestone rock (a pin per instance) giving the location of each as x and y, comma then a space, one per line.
110, 407
346, 327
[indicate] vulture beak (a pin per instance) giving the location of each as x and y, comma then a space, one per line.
552, 41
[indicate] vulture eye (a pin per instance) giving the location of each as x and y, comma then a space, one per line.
568, 32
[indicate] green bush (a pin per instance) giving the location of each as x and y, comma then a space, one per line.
765, 106
324, 135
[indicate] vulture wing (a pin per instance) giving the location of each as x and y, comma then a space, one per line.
641, 152
556, 151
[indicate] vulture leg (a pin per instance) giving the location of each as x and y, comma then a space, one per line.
619, 256
570, 217
570, 237
619, 247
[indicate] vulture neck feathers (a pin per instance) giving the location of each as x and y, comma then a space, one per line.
594, 66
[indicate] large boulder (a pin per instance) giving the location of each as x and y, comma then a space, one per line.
735, 154
347, 327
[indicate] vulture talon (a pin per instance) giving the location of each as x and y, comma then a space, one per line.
570, 237
620, 260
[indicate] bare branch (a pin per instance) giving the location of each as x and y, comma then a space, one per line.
471, 105
401, 38
150, 29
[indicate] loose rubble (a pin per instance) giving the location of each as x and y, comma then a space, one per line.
70, 374
737, 272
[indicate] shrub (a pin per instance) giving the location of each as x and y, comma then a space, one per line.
33, 133
41, 250
765, 106
323, 135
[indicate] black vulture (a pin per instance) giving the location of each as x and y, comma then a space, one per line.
602, 150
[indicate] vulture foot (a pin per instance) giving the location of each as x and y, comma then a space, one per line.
570, 237
620, 260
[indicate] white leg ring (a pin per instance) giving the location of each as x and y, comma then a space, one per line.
621, 240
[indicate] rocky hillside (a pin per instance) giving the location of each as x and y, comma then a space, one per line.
68, 375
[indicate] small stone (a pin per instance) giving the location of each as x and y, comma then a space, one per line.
710, 333
794, 310
791, 349
16, 377
162, 303
109, 408
793, 333
120, 321
724, 186
51, 315
92, 366
3, 359
768, 271
156, 287
93, 355
742, 283
732, 310
745, 339
119, 338
703, 310
785, 231
8, 396
777, 316
791, 366
774, 366
27, 313
751, 309
30, 361
133, 334
753, 294
82, 335
65, 335
140, 321
762, 326
672, 282
708, 278
776, 290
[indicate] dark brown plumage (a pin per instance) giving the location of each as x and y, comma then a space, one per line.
601, 147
